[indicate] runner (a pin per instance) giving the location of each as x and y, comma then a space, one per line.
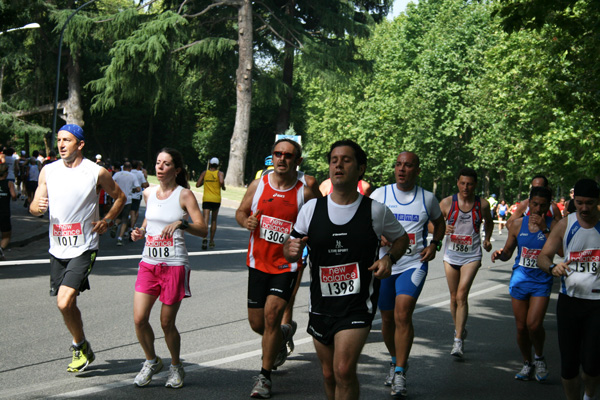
164, 271
413, 207
578, 307
462, 253
269, 210
70, 186
342, 232
213, 181
136, 197
502, 210
129, 184
523, 209
529, 286
7, 192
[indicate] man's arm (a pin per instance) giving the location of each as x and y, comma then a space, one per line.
222, 180
201, 179
505, 253
556, 213
489, 224
39, 204
552, 246
243, 215
439, 230
383, 267
106, 182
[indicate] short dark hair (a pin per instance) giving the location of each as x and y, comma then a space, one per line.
466, 171
541, 191
541, 177
359, 153
296, 145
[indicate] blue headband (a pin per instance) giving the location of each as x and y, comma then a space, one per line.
73, 129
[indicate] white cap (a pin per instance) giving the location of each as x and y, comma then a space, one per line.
214, 160
98, 157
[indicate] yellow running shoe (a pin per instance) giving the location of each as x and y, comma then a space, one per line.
82, 357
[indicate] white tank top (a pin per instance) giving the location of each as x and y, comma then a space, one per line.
464, 245
160, 213
414, 218
73, 205
582, 247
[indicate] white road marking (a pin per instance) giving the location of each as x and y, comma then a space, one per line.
238, 357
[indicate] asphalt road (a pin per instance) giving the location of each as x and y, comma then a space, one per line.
221, 354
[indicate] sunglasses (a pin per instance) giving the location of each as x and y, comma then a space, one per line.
286, 155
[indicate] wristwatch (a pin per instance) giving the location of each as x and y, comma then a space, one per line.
438, 244
547, 230
550, 268
109, 222
184, 224
392, 259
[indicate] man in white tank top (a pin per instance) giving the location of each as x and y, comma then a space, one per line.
71, 186
462, 253
413, 207
578, 307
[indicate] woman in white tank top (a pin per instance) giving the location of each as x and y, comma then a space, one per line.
168, 208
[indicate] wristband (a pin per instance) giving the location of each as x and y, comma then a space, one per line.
184, 224
438, 244
392, 259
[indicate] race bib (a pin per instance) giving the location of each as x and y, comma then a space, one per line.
158, 247
461, 243
68, 234
412, 241
586, 261
529, 257
275, 230
340, 280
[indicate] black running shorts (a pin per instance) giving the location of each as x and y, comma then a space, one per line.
72, 272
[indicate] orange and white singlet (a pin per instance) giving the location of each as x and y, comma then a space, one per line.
279, 209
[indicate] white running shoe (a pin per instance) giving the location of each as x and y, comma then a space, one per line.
148, 369
541, 369
399, 386
457, 348
262, 388
525, 373
176, 375
389, 379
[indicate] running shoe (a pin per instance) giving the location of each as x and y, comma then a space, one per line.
119, 242
176, 375
82, 357
283, 351
525, 373
148, 369
389, 379
399, 386
290, 344
211, 244
262, 388
457, 348
204, 244
541, 369
113, 231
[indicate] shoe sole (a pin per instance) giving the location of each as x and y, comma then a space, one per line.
174, 387
541, 379
259, 396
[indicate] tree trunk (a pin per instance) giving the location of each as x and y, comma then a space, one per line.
241, 129
73, 109
1, 81
149, 158
285, 109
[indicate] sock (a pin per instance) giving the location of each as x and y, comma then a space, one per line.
457, 340
266, 374
153, 361
120, 238
586, 397
394, 360
538, 357
399, 369
78, 345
